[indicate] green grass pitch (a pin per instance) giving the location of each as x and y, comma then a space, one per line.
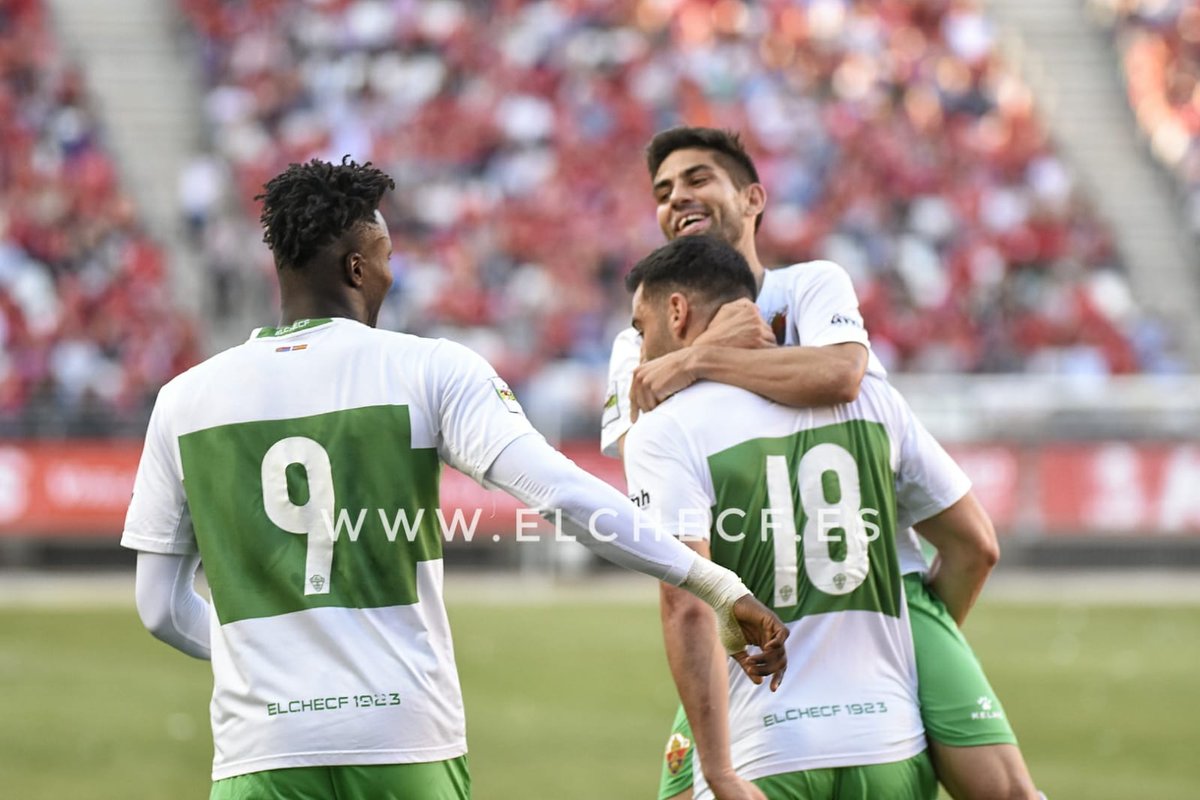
574, 701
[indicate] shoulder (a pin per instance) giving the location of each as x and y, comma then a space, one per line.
629, 337
626, 349
448, 353
694, 410
659, 432
805, 274
396, 340
204, 374
708, 417
416, 352
881, 402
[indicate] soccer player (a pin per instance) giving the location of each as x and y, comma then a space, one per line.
704, 182
802, 503
301, 468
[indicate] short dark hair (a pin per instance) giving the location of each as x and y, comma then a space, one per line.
726, 147
704, 265
308, 206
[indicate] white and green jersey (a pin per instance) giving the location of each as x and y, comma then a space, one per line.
802, 505
811, 304
324, 652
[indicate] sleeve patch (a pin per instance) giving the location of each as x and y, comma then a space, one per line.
612, 406
506, 395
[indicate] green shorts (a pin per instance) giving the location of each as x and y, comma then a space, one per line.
911, 779
677, 760
435, 780
958, 705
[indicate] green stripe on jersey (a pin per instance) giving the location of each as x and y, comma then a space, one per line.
284, 330
265, 497
818, 513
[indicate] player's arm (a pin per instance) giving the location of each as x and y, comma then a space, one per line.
158, 526
934, 495
690, 635
605, 521
485, 434
827, 370
967, 552
168, 604
792, 376
663, 468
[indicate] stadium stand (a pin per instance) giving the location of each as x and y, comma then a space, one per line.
890, 137
1159, 45
88, 330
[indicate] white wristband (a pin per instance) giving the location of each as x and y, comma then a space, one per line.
720, 588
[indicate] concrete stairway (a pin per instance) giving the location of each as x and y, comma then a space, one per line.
1069, 62
143, 82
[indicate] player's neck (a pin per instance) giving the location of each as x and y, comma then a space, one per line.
295, 308
751, 256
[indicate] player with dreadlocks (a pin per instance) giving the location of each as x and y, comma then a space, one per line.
301, 468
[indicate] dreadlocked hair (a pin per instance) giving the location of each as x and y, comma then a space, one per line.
308, 206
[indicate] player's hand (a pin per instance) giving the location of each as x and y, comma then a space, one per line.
655, 381
726, 785
737, 324
761, 627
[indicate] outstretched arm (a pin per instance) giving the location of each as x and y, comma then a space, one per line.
606, 522
168, 604
702, 680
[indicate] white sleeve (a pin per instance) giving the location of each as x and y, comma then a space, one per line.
168, 604
607, 523
928, 480
826, 307
615, 420
666, 480
157, 520
600, 516
478, 415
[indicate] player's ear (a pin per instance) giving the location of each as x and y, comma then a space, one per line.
756, 199
354, 267
678, 310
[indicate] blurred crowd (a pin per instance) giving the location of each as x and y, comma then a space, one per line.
86, 323
889, 135
1159, 43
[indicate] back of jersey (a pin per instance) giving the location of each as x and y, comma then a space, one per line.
801, 503
304, 467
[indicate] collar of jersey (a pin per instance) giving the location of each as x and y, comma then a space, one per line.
295, 327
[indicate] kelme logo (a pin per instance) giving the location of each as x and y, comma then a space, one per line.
986, 711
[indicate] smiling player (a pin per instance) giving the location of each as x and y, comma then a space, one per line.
704, 182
